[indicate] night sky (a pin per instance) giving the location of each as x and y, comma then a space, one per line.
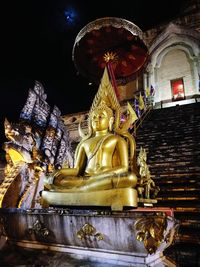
37, 37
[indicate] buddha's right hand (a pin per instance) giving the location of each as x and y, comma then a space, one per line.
51, 178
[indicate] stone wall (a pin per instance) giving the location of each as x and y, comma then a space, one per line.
174, 65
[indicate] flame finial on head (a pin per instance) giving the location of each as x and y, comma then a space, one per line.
106, 94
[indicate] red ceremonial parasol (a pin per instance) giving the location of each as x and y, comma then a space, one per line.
113, 40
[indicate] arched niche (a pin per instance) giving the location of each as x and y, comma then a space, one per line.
175, 54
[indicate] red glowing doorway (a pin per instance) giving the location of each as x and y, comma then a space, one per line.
178, 92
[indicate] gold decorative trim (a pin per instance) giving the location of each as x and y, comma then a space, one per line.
151, 231
110, 56
39, 229
87, 231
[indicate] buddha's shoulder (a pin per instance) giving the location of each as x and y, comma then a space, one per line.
116, 137
104, 138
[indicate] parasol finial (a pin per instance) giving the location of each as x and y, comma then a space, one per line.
110, 56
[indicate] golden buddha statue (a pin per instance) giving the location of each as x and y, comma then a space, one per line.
103, 173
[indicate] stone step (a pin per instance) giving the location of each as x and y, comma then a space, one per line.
185, 254
180, 135
186, 187
176, 183
167, 149
191, 166
190, 224
159, 159
187, 213
171, 139
174, 170
168, 176
177, 177
172, 164
177, 194
159, 146
172, 128
187, 210
164, 147
190, 188
169, 126
188, 237
154, 120
180, 202
194, 158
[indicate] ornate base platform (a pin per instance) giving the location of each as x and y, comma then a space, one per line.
132, 238
114, 198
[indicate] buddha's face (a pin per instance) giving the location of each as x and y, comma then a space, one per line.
100, 120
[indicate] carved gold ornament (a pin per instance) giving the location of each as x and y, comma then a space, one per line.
147, 188
150, 230
88, 231
109, 56
39, 229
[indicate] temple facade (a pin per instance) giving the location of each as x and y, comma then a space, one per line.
174, 63
173, 67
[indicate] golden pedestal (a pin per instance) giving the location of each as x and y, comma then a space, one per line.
114, 198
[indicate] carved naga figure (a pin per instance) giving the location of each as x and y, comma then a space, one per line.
38, 143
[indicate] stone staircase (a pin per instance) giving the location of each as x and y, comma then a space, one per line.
171, 137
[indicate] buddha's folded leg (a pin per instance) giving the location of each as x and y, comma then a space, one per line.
128, 180
94, 183
69, 182
108, 182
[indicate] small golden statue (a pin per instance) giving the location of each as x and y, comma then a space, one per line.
146, 188
103, 173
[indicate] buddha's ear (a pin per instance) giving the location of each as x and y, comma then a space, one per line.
111, 121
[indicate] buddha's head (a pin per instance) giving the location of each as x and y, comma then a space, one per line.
102, 117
